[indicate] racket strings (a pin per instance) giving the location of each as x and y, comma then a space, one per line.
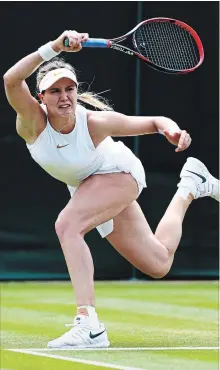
167, 45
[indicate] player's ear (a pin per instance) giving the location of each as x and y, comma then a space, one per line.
41, 97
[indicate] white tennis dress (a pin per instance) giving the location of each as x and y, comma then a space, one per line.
71, 158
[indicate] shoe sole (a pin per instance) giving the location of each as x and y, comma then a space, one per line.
98, 345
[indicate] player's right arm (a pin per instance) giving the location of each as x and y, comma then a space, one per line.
29, 113
31, 118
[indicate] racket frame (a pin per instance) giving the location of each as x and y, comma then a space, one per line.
114, 44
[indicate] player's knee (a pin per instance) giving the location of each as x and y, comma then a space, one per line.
66, 226
61, 226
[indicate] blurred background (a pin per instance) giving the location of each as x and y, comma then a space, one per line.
31, 200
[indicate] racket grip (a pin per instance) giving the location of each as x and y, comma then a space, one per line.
91, 43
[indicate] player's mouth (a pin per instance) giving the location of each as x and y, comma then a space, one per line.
64, 106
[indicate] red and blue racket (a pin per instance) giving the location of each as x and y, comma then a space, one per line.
165, 44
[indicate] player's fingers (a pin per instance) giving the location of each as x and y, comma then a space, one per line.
84, 37
182, 138
75, 38
74, 41
186, 143
77, 48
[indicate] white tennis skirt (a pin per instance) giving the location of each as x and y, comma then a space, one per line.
118, 159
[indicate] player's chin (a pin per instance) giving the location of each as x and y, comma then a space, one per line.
66, 112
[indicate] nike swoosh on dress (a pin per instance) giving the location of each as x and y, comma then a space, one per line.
61, 146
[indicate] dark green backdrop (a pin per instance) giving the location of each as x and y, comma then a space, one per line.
31, 199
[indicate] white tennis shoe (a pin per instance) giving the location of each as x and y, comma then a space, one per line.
82, 335
204, 184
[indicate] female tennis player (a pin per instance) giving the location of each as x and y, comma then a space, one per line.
104, 177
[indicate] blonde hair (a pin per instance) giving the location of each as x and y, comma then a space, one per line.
87, 97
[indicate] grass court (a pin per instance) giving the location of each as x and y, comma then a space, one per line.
152, 325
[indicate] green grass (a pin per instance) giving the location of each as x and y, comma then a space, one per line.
136, 314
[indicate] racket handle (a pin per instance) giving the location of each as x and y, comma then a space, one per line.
91, 43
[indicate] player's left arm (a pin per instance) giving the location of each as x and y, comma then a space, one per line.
117, 124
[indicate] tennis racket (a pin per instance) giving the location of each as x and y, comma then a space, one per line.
165, 44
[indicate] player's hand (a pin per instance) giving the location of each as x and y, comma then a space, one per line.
180, 138
75, 41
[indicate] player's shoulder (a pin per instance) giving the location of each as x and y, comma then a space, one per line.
30, 128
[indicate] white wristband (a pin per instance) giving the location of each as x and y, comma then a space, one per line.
46, 52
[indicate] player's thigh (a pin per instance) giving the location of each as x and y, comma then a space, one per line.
133, 238
100, 198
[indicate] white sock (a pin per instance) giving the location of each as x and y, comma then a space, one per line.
90, 309
185, 187
92, 315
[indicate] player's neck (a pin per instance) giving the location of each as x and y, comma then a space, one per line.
63, 125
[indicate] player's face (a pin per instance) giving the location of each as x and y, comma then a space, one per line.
61, 98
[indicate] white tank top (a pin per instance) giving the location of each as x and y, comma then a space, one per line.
78, 158
71, 157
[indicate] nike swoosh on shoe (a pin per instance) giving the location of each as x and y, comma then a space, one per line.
92, 336
197, 174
